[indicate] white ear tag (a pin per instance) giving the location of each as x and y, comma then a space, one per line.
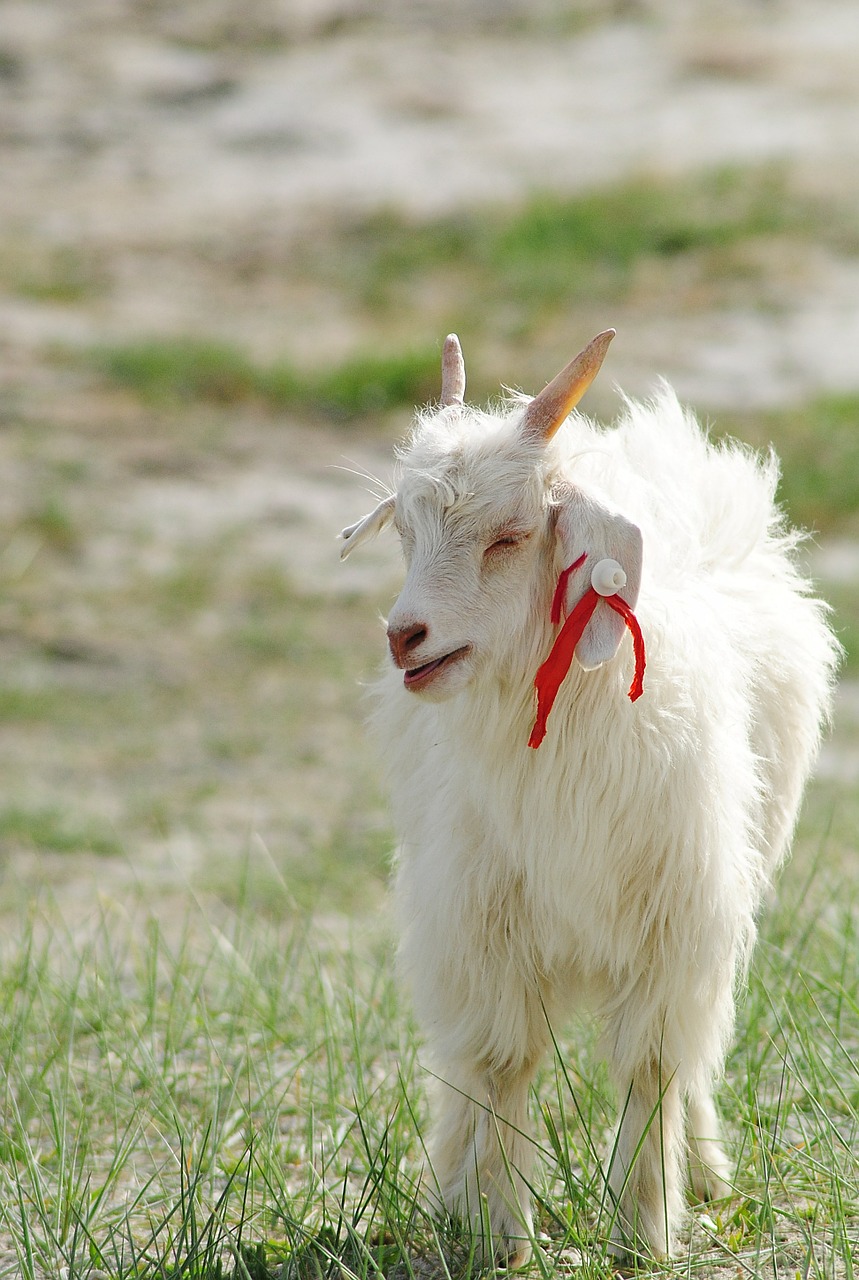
608, 578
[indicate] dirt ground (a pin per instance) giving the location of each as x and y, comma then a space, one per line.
149, 152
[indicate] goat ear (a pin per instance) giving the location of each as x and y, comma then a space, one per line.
585, 526
367, 528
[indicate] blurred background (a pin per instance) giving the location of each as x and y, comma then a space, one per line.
232, 238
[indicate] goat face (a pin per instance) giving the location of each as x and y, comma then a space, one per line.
480, 514
475, 531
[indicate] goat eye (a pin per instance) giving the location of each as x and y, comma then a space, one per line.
506, 543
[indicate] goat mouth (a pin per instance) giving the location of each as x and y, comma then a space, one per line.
421, 677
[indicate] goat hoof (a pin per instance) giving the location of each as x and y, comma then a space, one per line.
516, 1256
626, 1257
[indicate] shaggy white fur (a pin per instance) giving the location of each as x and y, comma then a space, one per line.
619, 867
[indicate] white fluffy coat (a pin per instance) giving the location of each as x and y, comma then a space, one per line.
620, 866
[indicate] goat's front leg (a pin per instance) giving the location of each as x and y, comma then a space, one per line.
645, 1177
708, 1164
481, 1155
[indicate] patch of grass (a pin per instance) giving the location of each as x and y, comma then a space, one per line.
374, 383
181, 370
558, 249
844, 599
63, 274
793, 1093
190, 587
165, 371
25, 704
346, 871
184, 1101
211, 701
267, 635
554, 245
818, 444
47, 828
242, 1098
54, 525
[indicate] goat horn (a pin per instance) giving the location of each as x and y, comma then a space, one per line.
547, 411
452, 371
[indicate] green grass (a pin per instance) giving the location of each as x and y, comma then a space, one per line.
53, 525
555, 248
818, 444
235, 1096
509, 275
206, 700
47, 828
845, 618
182, 371
505, 277
50, 273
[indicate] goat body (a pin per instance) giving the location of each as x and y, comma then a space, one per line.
618, 868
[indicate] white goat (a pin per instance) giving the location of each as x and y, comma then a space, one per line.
620, 866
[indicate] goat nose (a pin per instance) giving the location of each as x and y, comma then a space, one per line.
403, 640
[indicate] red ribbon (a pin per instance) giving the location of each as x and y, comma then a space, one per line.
551, 674
561, 588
